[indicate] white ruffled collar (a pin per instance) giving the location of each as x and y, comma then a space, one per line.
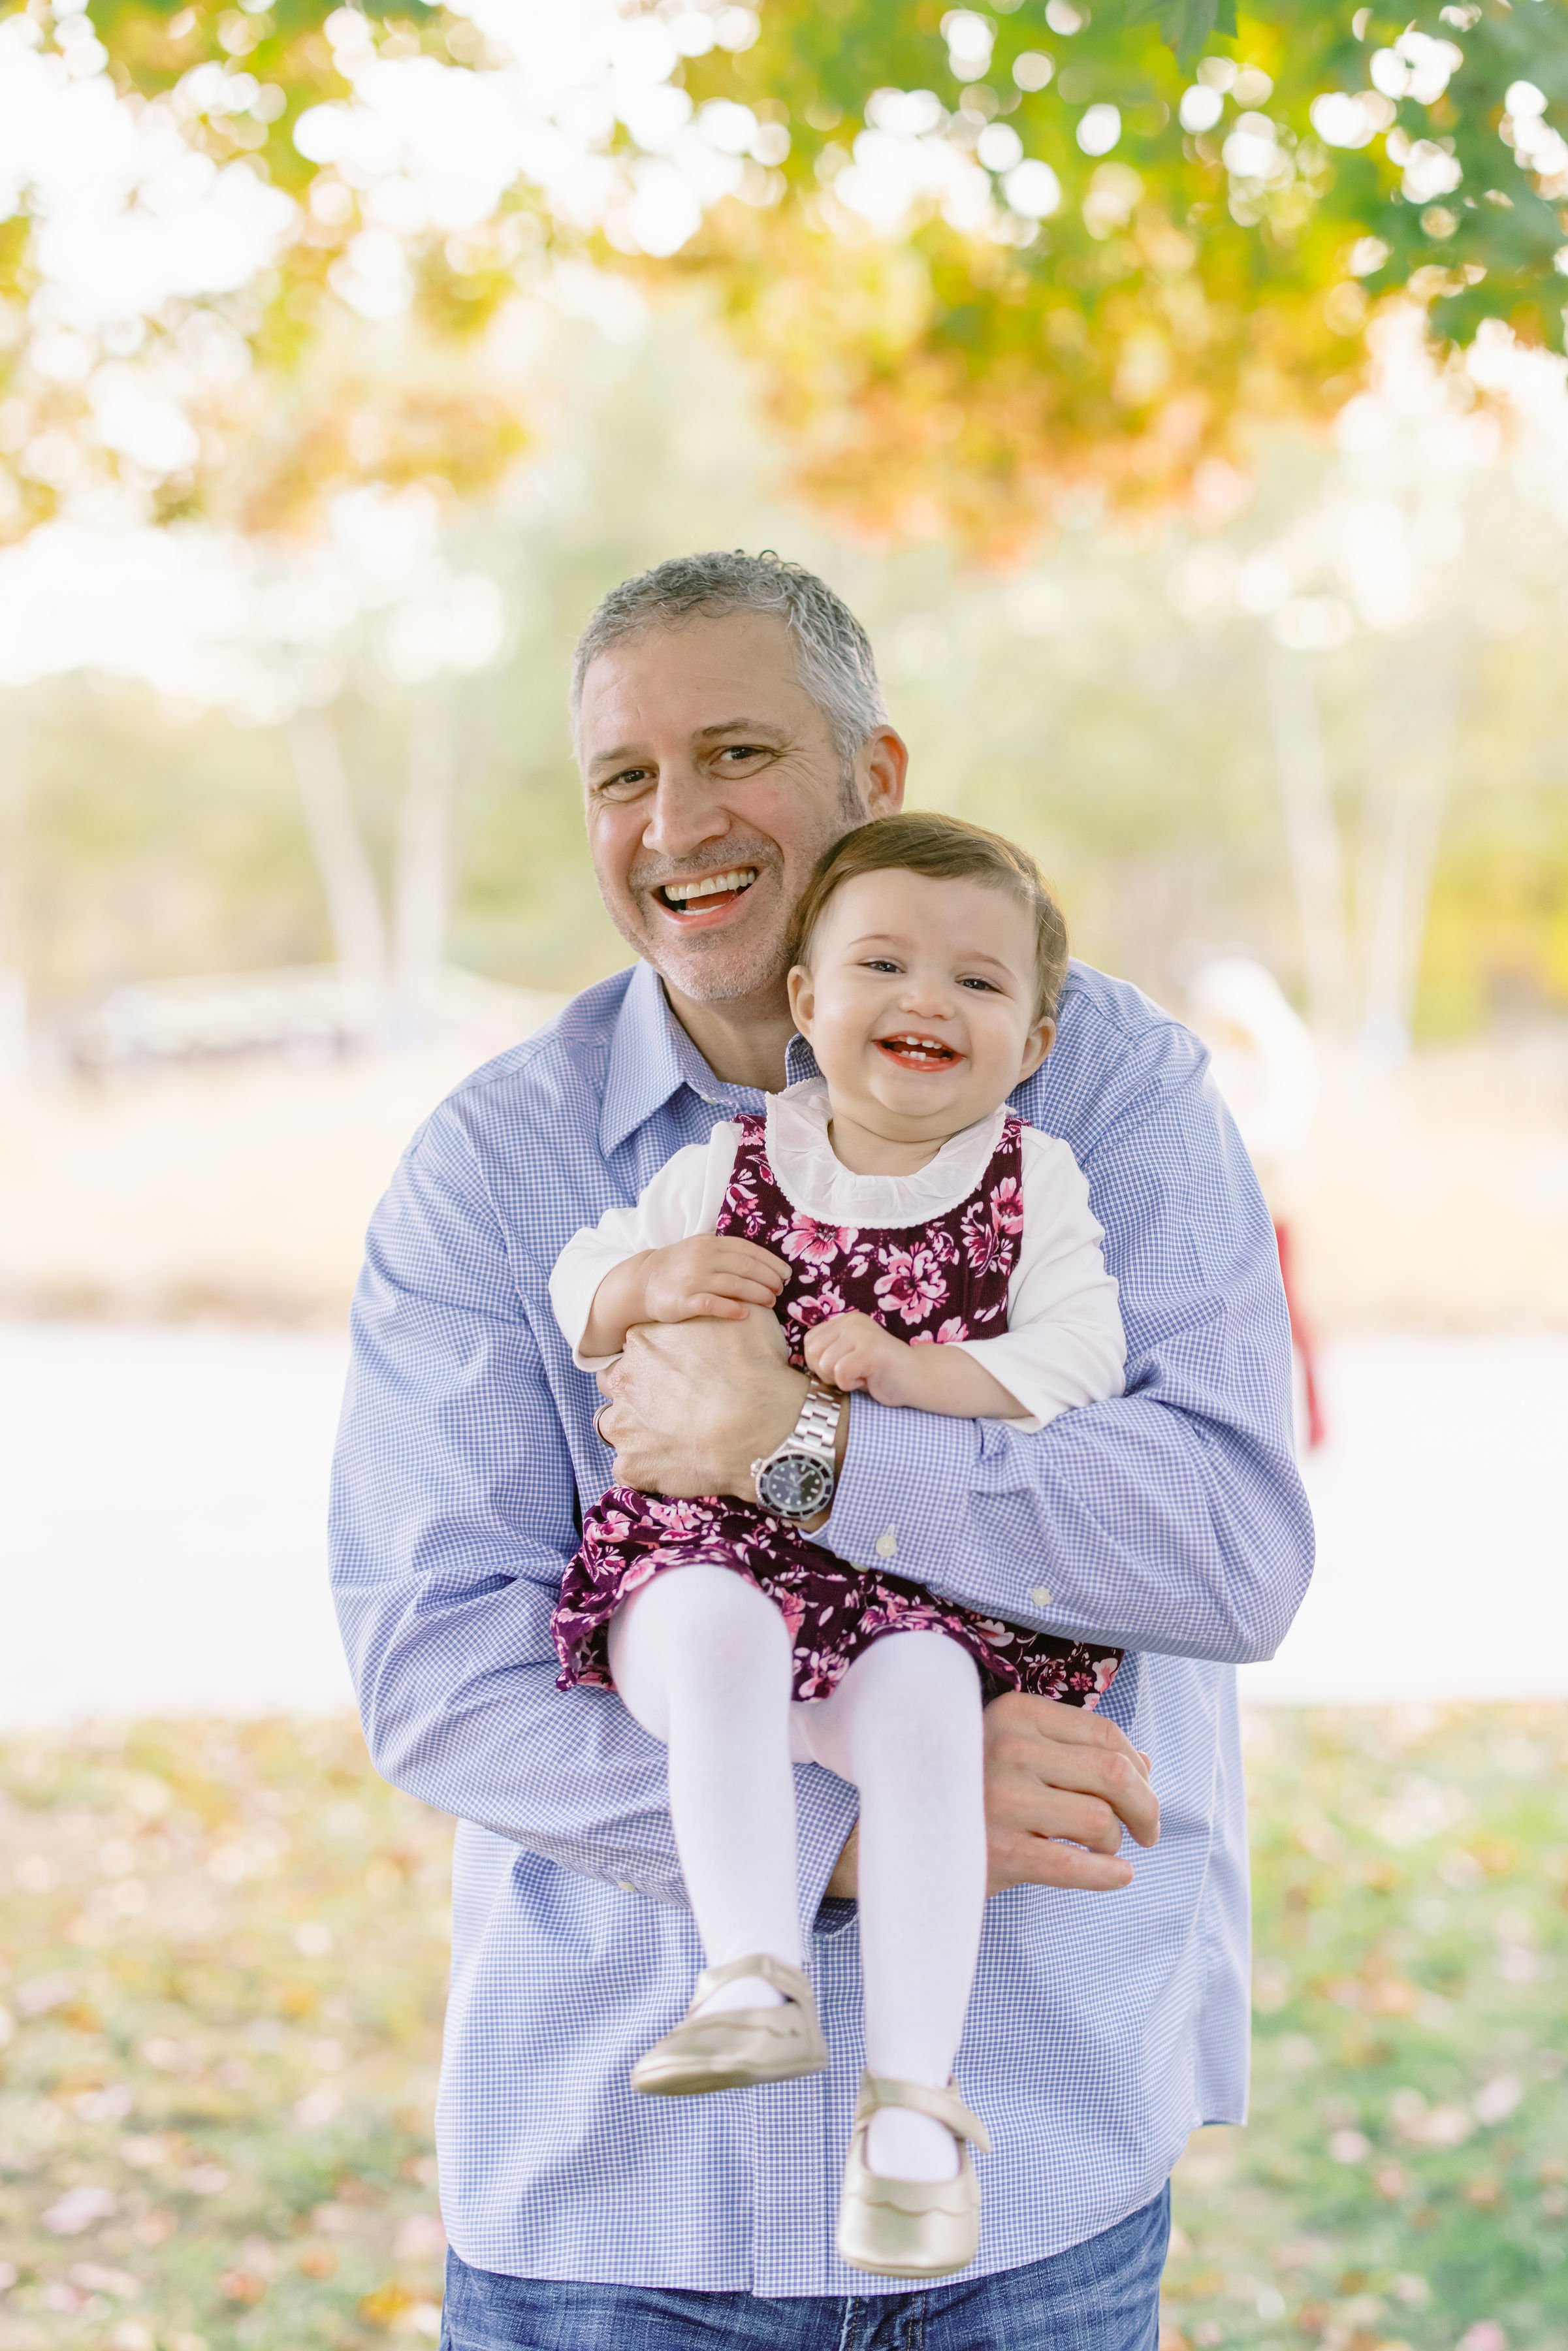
820, 1185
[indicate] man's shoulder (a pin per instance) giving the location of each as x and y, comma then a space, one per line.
1117, 1055
553, 1079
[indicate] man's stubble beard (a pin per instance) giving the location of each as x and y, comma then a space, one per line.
769, 971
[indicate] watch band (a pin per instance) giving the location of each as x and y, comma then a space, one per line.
817, 1429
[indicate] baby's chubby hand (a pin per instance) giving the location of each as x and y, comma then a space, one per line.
714, 1275
854, 1352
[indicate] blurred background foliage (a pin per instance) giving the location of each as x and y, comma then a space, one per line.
984, 256
1175, 393
1116, 702
226, 1949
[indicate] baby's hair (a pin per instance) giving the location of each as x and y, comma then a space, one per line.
944, 849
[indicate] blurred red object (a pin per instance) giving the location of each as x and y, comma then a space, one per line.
1302, 1341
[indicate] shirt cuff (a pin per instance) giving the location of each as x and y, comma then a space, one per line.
903, 1499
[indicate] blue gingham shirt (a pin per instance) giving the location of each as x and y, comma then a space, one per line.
1171, 1520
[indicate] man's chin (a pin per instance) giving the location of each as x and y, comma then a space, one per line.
709, 968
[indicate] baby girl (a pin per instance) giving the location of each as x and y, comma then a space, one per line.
915, 1241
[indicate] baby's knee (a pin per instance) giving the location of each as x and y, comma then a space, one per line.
926, 1691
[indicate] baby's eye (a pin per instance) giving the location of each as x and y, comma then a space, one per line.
976, 982
880, 963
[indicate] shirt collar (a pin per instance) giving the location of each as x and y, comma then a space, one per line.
652, 1058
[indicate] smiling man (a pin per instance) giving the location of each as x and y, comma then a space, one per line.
730, 726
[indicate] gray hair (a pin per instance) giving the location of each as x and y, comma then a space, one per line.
833, 658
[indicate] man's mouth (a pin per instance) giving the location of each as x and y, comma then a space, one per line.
913, 1053
708, 895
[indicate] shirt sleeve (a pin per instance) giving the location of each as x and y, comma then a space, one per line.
1170, 1518
1064, 1344
683, 1199
452, 1518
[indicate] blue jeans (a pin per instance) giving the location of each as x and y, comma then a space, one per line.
1103, 2295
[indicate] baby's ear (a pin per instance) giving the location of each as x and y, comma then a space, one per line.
1036, 1045
802, 997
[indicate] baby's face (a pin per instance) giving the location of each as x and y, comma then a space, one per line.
919, 1002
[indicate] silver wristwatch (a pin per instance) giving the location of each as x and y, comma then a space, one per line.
796, 1480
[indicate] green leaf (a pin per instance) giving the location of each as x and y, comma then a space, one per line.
1187, 25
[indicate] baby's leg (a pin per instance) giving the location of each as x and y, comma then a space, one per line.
702, 1658
904, 1725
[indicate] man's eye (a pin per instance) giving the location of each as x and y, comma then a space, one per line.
623, 787
740, 752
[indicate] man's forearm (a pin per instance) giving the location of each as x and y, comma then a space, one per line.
567, 1774
1125, 1521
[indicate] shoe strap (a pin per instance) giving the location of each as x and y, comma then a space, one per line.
777, 1972
943, 2105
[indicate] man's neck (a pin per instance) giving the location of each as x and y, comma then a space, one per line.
743, 1041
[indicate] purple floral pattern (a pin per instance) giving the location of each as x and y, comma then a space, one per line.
930, 1283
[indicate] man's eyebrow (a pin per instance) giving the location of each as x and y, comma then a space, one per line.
633, 752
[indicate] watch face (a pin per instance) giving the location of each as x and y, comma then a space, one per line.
796, 1487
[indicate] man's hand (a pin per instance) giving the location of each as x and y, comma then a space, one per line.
694, 1405
1053, 1772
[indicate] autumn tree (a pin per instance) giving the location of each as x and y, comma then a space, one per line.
985, 258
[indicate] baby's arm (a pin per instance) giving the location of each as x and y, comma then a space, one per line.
1064, 1344
659, 1259
715, 1275
854, 1352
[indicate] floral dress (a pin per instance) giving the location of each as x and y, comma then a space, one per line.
930, 1283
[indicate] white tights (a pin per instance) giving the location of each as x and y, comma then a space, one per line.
702, 1658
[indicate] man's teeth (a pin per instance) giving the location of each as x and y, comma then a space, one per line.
718, 886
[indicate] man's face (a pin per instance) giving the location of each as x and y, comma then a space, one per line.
713, 786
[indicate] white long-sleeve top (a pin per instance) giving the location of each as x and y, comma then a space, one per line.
1064, 1344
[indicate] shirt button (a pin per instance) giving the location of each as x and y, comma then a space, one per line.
1040, 1596
626, 1885
886, 1543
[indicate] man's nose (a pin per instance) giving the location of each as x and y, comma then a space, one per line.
685, 814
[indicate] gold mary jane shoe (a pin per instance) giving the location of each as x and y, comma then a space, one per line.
911, 2228
740, 2045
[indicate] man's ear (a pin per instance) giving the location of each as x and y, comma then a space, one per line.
1036, 1045
881, 764
801, 997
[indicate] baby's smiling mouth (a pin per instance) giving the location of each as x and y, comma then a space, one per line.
707, 893
915, 1052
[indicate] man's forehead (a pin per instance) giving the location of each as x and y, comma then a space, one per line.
702, 677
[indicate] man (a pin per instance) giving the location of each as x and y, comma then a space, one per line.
729, 725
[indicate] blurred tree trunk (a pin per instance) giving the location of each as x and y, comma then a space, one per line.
1317, 863
348, 884
423, 884
16, 759
1412, 757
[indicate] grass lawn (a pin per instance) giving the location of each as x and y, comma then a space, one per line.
221, 1966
